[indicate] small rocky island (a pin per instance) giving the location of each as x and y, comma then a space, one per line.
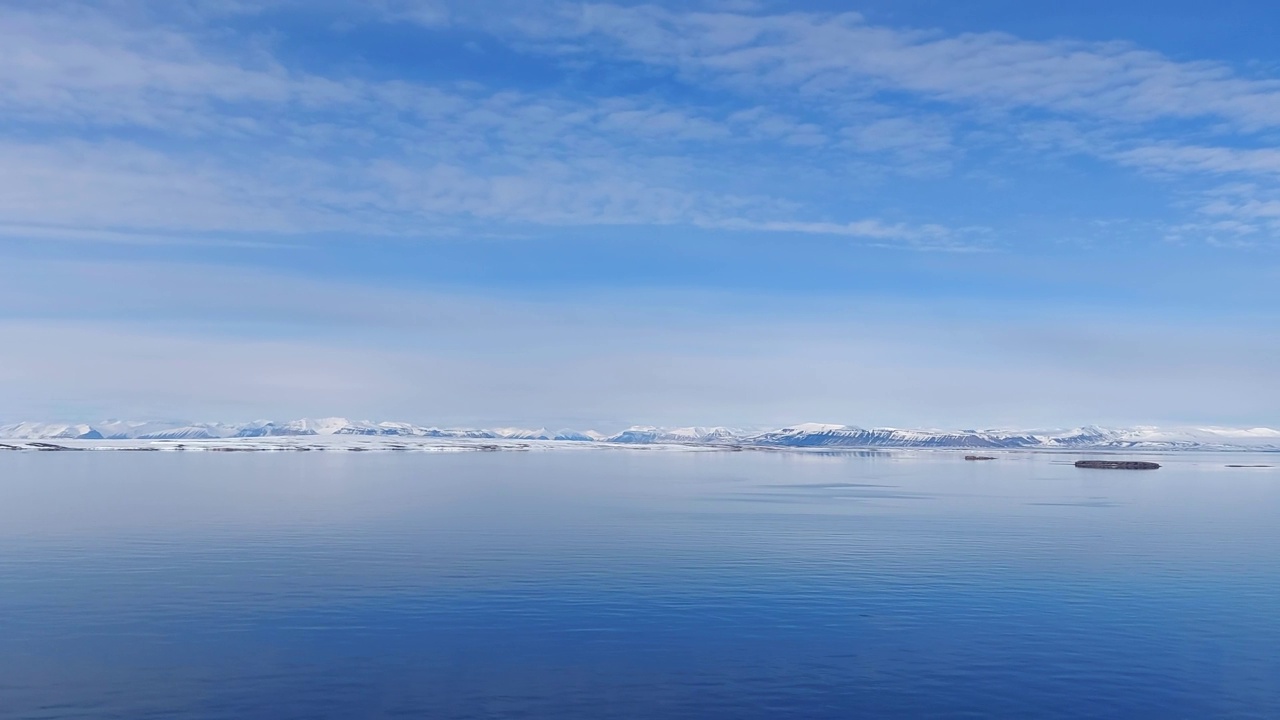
1117, 465
978, 457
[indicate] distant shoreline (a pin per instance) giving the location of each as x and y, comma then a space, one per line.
358, 444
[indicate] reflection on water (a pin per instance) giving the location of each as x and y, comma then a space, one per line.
635, 585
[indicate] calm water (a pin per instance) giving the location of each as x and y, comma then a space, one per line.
635, 585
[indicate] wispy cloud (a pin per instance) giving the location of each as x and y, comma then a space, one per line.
1110, 100
922, 237
66, 233
193, 134
819, 53
1199, 159
150, 118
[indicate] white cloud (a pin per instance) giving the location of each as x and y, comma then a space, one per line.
921, 237
1198, 159
1236, 214
825, 53
123, 120
876, 91
284, 151
763, 123
907, 136
104, 186
86, 68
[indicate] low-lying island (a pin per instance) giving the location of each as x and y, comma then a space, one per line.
1117, 465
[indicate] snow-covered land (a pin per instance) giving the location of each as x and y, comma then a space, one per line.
340, 433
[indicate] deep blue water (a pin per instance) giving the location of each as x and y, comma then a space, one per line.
621, 584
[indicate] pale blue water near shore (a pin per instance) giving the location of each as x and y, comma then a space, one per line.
636, 585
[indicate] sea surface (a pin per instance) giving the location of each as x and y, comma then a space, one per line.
636, 584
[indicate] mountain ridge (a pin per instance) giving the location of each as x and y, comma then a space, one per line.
806, 435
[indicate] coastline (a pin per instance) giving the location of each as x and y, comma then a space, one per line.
348, 443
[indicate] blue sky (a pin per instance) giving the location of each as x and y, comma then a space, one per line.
913, 212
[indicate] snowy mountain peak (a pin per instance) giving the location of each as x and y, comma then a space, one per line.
804, 435
524, 434
815, 427
49, 431
321, 426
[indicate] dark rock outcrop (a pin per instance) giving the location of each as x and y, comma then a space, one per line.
1117, 465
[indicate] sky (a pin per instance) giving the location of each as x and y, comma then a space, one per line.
913, 213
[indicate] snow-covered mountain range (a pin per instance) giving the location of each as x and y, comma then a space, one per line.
811, 435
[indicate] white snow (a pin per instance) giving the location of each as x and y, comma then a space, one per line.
815, 428
341, 432
46, 431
